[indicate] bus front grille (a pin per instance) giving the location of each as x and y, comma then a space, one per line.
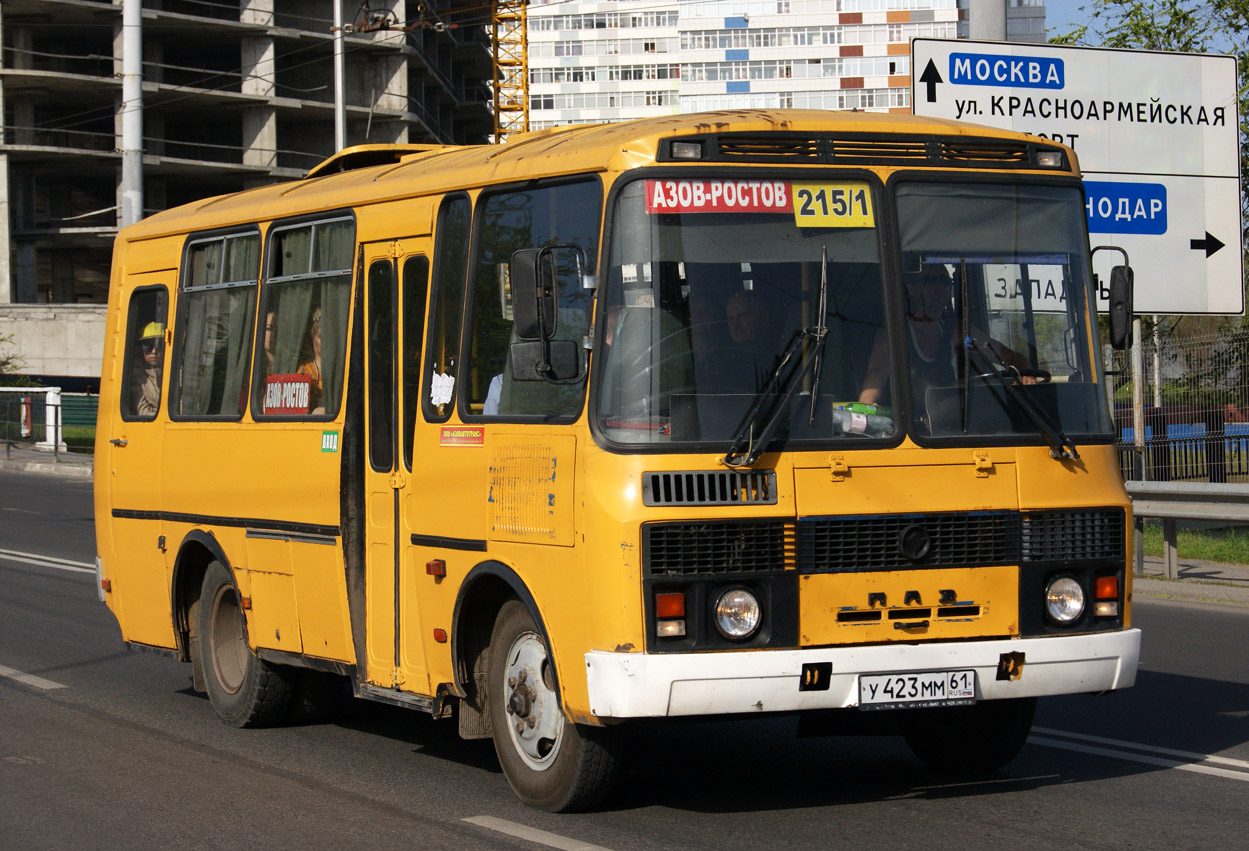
861, 543
710, 487
903, 541
732, 546
1069, 536
960, 539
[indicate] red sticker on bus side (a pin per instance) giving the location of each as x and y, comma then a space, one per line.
286, 393
718, 196
462, 436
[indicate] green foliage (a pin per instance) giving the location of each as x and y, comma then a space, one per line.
1227, 546
10, 361
79, 438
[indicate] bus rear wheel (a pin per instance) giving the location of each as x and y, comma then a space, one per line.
550, 763
972, 739
245, 691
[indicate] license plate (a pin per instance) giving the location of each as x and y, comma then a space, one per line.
932, 688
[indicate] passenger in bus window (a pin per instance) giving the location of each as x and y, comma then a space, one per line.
743, 361
491, 406
310, 364
271, 320
933, 339
145, 375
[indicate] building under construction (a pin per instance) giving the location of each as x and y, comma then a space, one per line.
236, 93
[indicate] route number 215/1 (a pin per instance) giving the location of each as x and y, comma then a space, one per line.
838, 205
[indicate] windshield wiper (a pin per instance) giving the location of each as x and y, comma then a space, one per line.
1061, 446
769, 403
821, 330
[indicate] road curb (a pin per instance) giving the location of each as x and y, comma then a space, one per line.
49, 468
1189, 589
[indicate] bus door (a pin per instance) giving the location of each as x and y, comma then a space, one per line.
395, 276
136, 426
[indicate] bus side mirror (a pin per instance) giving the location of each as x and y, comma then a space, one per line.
1120, 311
545, 360
537, 276
534, 308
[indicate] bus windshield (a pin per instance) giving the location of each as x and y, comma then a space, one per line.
712, 315
996, 289
711, 283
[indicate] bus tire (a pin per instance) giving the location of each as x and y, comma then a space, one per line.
550, 763
972, 739
245, 691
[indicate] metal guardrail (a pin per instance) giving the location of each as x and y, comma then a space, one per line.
36, 417
1172, 501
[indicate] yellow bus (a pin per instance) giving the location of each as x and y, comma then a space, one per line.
704, 415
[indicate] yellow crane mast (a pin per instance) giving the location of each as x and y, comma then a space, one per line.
510, 37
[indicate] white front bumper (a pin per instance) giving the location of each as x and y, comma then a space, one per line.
637, 685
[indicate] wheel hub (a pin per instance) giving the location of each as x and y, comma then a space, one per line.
535, 722
520, 702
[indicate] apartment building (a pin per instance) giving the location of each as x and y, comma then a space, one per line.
612, 60
236, 93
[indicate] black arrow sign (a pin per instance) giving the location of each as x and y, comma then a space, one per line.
931, 77
1210, 244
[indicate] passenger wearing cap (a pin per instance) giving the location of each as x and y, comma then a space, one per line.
145, 373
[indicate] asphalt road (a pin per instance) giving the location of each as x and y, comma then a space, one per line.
102, 747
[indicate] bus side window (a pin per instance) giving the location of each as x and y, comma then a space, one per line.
304, 306
415, 289
145, 353
446, 307
216, 310
559, 214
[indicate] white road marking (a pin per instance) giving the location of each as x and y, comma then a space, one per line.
1202, 766
1063, 734
47, 561
532, 834
29, 679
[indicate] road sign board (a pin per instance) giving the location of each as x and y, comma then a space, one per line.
1156, 138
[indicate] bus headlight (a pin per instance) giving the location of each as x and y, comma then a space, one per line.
1064, 600
737, 614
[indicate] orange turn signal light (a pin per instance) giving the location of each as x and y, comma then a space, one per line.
1106, 588
670, 605
436, 567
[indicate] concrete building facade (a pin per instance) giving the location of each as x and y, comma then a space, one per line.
236, 93
611, 60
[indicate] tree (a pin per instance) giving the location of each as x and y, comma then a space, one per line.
9, 362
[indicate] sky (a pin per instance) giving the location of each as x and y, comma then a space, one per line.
1060, 14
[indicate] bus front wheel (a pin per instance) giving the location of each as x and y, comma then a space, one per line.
970, 739
245, 691
550, 763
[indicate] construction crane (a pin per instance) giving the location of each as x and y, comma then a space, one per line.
509, 22
509, 25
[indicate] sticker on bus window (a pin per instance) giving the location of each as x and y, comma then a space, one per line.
717, 196
440, 388
287, 393
833, 205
